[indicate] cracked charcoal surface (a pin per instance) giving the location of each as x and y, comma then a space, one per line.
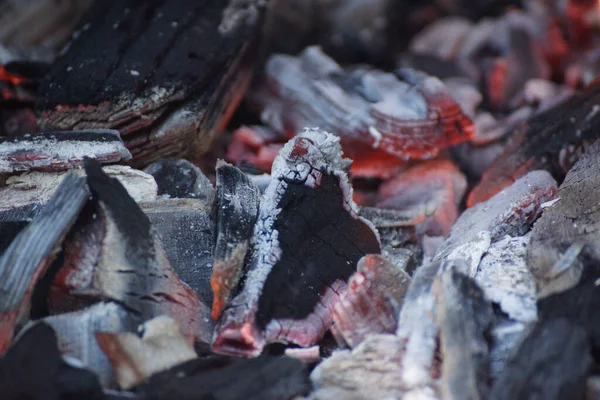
321, 243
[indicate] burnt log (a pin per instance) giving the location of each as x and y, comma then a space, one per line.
161, 73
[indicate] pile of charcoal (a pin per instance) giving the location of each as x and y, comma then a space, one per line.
299, 199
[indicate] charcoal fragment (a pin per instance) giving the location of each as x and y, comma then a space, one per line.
135, 359
179, 178
569, 222
30, 254
227, 378
75, 333
33, 369
552, 140
553, 362
58, 151
237, 210
373, 300
464, 316
187, 233
307, 241
116, 254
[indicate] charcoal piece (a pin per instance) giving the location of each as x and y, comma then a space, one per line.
418, 325
58, 151
135, 359
75, 333
569, 221
464, 317
307, 241
237, 210
553, 362
162, 73
226, 378
187, 233
33, 369
179, 178
115, 254
506, 337
580, 303
510, 212
432, 190
30, 254
373, 300
552, 140
505, 279
12, 221
37, 187
372, 370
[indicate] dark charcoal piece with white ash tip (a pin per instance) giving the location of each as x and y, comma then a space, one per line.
553, 363
28, 257
464, 317
161, 73
179, 178
306, 244
34, 369
59, 151
114, 253
237, 210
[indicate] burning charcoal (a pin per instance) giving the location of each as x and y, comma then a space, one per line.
76, 335
237, 210
187, 233
442, 38
464, 316
179, 178
257, 145
510, 212
553, 362
432, 190
552, 140
135, 359
58, 151
373, 300
306, 354
418, 325
30, 254
307, 241
150, 79
115, 254
371, 111
227, 378
568, 223
371, 371
505, 279
36, 187
33, 369
436, 65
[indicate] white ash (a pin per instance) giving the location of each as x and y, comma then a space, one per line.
506, 280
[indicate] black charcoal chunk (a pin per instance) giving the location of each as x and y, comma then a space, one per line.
33, 369
179, 178
553, 362
226, 378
